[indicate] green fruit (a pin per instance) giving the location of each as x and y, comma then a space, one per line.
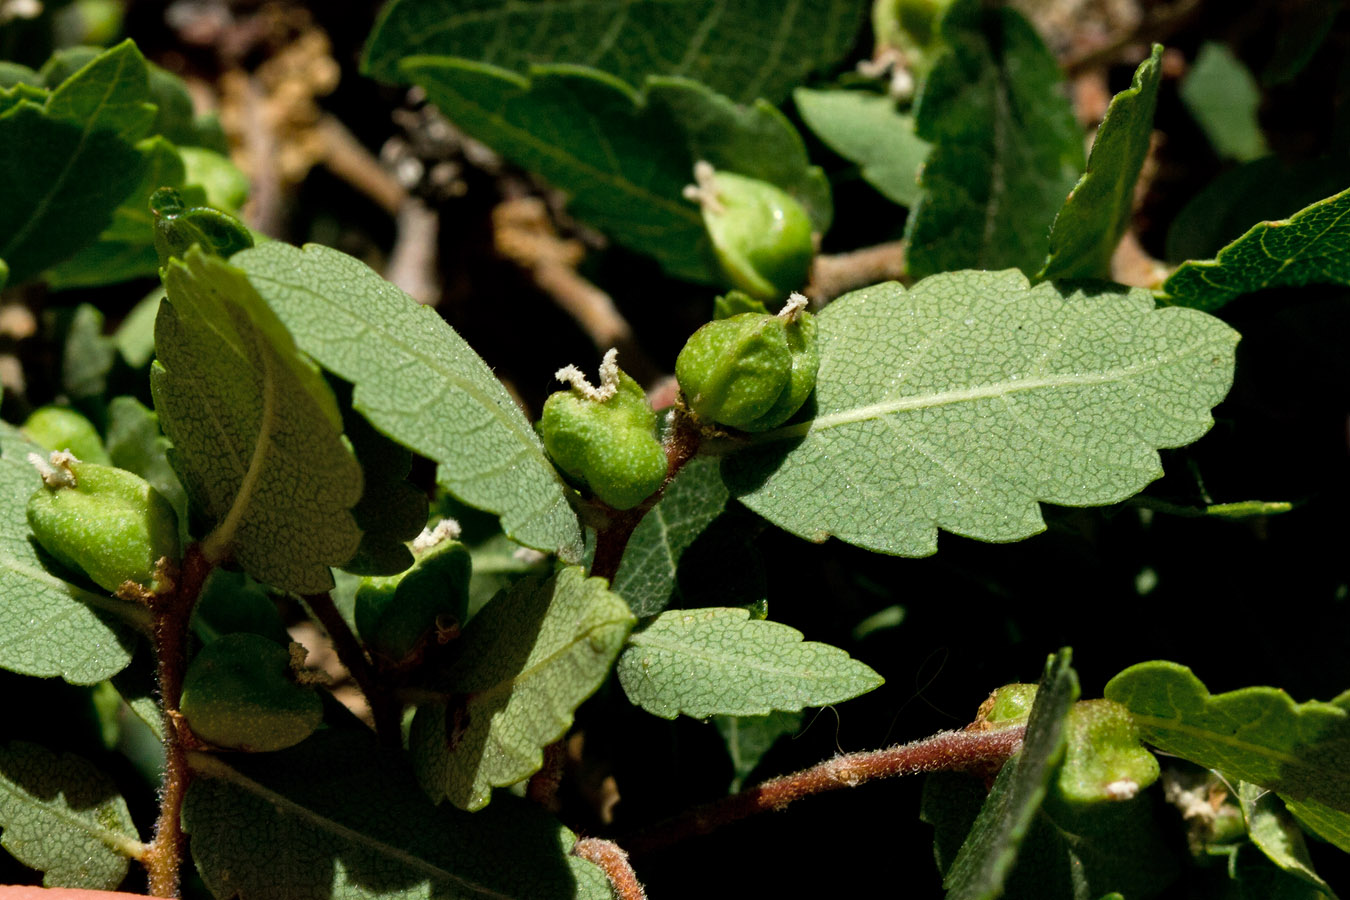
760, 234
238, 694
106, 522
1009, 705
605, 437
178, 227
751, 371
397, 614
1104, 760
62, 428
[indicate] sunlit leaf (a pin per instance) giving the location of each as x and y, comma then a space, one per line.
419, 383
257, 436
962, 402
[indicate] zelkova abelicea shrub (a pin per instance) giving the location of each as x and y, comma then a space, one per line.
528, 615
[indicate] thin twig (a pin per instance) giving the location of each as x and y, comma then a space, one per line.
610, 857
681, 443
543, 785
949, 751
383, 707
348, 159
523, 232
836, 274
1160, 24
172, 610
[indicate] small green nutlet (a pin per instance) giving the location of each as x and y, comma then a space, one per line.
62, 428
178, 227
751, 371
397, 614
1104, 757
238, 694
1007, 706
760, 234
605, 437
106, 522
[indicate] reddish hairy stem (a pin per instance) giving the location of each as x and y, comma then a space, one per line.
681, 444
383, 708
172, 612
979, 752
543, 785
611, 857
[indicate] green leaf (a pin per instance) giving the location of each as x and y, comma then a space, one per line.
1223, 96
960, 403
391, 511
1256, 734
1095, 216
867, 129
1307, 248
1261, 190
126, 249
1329, 824
527, 661
87, 355
454, 411
622, 155
135, 443
67, 164
749, 738
50, 626
646, 576
745, 49
257, 435
990, 850
704, 662
135, 337
1006, 150
64, 817
336, 818
1274, 832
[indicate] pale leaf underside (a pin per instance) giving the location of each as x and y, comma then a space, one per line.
962, 402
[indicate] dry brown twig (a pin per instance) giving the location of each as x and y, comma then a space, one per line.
523, 232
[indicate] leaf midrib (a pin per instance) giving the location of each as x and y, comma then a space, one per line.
989, 391
123, 845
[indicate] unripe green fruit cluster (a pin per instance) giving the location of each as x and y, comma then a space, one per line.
608, 445
106, 522
238, 694
1104, 758
751, 371
760, 234
396, 614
